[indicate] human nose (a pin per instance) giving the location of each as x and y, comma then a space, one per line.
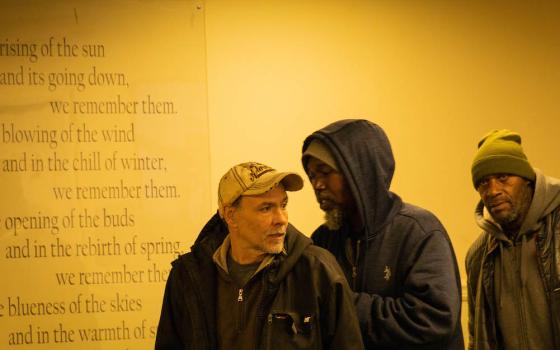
280, 216
494, 187
318, 183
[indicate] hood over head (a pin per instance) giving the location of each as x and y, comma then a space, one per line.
546, 198
364, 157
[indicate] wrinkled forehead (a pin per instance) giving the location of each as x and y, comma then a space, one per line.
501, 174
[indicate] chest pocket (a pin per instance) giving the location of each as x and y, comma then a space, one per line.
292, 330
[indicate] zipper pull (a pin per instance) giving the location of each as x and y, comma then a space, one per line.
355, 264
240, 297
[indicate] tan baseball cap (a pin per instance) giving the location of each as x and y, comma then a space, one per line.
249, 179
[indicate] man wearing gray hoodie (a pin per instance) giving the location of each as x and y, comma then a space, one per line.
513, 268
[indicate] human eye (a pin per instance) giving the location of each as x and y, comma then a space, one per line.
325, 170
265, 208
285, 205
503, 177
483, 183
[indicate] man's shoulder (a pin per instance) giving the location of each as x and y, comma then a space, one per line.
319, 259
316, 252
183, 261
179, 269
417, 219
191, 260
475, 252
321, 232
306, 246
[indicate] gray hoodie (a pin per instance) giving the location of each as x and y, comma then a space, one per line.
522, 312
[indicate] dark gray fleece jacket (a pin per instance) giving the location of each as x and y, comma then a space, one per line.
407, 284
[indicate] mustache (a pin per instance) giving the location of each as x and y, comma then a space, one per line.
494, 203
282, 231
323, 196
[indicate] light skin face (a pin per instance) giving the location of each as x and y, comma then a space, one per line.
332, 193
507, 198
257, 225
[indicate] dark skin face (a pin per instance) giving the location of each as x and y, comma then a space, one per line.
331, 190
507, 198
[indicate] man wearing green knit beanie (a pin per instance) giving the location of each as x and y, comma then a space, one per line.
500, 151
512, 268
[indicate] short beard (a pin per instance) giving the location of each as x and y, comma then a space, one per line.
514, 220
334, 218
273, 249
510, 219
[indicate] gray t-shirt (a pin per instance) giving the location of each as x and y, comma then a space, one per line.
239, 273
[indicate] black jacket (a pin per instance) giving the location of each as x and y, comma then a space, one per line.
407, 283
306, 303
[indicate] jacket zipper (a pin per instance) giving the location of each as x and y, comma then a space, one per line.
519, 296
355, 264
240, 310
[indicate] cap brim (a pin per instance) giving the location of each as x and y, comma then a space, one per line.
290, 181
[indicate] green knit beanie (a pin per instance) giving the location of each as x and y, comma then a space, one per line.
500, 152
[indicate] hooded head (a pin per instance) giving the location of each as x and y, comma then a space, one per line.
331, 189
318, 150
360, 152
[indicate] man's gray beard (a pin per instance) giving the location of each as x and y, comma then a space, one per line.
518, 214
334, 218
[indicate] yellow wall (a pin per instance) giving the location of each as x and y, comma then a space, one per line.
83, 272
435, 75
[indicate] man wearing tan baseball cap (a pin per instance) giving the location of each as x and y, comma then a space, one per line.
252, 280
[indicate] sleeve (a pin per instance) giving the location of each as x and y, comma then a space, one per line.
472, 280
167, 337
426, 310
340, 324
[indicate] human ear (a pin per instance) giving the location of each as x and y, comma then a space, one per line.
229, 216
